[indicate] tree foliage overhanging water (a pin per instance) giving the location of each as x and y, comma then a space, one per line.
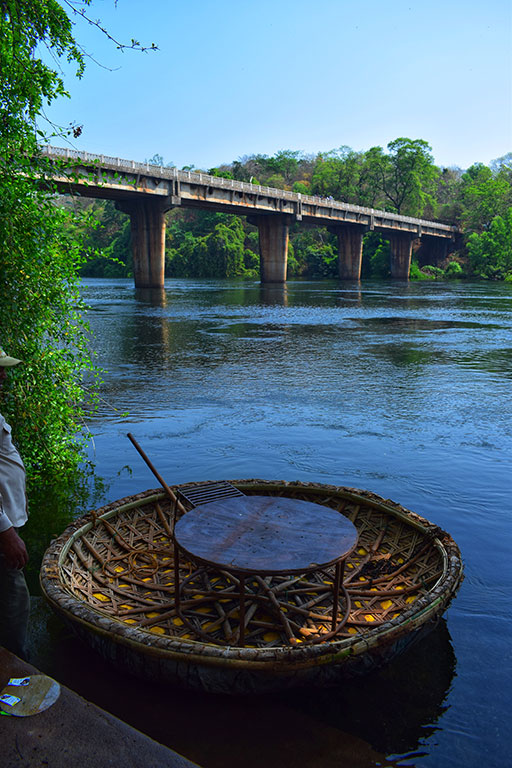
41, 248
42, 245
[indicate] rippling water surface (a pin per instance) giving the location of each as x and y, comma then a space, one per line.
403, 389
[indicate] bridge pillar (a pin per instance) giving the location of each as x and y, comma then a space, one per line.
350, 250
401, 252
147, 221
273, 234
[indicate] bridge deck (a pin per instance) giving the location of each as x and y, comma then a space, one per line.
114, 178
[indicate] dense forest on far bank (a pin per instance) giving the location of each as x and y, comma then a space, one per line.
403, 179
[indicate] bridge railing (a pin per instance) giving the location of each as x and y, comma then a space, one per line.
130, 166
168, 173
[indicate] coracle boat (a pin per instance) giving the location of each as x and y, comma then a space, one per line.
111, 577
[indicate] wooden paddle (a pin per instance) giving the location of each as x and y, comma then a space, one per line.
177, 503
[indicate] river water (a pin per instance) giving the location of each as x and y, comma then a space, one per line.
402, 389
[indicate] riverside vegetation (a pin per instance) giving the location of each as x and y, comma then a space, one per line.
404, 180
42, 247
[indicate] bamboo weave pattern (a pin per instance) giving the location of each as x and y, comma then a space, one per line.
123, 568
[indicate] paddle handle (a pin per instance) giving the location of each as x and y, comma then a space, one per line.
159, 477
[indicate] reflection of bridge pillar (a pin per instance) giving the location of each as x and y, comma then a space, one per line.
274, 294
350, 251
273, 234
147, 220
155, 341
401, 252
157, 297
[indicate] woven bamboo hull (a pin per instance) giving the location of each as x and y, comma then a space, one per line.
110, 577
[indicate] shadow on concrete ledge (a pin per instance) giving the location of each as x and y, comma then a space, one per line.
74, 732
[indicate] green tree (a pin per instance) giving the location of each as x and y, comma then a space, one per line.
41, 314
281, 170
107, 242
376, 256
285, 163
402, 180
41, 247
449, 206
209, 245
222, 172
302, 187
483, 195
503, 165
224, 254
338, 174
371, 179
408, 176
275, 180
312, 253
490, 252
241, 171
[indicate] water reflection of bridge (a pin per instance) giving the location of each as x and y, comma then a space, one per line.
146, 192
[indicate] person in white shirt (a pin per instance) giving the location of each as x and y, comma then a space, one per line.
14, 595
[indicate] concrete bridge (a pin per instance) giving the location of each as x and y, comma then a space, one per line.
146, 192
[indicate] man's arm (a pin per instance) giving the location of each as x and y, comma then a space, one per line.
13, 548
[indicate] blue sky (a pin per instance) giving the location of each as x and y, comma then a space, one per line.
240, 77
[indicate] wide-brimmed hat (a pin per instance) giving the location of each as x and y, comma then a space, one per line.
6, 361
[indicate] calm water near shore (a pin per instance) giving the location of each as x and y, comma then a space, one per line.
402, 389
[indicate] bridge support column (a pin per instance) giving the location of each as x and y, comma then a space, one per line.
350, 251
147, 220
433, 251
273, 234
401, 252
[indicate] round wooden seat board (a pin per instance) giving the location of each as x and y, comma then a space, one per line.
266, 535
